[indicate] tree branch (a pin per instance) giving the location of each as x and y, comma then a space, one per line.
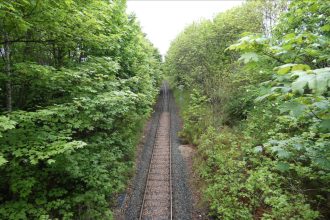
314, 114
273, 57
28, 41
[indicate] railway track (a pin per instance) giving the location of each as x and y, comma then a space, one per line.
157, 198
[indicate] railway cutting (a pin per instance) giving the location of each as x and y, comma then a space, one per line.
155, 194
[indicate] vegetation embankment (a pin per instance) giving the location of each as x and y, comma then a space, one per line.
76, 79
258, 110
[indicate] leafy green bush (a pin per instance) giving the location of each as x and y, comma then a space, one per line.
194, 117
242, 184
77, 81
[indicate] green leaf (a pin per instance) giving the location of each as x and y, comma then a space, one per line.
289, 36
296, 109
323, 162
247, 57
282, 166
280, 152
282, 89
6, 123
50, 161
325, 125
286, 68
2, 160
266, 96
318, 81
326, 28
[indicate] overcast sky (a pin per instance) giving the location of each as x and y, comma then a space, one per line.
163, 20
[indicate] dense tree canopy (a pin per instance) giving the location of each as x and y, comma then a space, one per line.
76, 79
259, 108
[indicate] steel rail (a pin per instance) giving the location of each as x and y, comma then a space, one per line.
170, 146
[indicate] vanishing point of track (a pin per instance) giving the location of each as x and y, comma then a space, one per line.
157, 199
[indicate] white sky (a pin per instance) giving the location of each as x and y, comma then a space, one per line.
163, 20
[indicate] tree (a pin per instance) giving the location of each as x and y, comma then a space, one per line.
77, 79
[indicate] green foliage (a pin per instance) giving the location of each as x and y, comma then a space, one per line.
6, 124
194, 117
273, 160
251, 186
82, 79
196, 60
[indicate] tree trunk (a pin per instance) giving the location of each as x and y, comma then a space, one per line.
8, 73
